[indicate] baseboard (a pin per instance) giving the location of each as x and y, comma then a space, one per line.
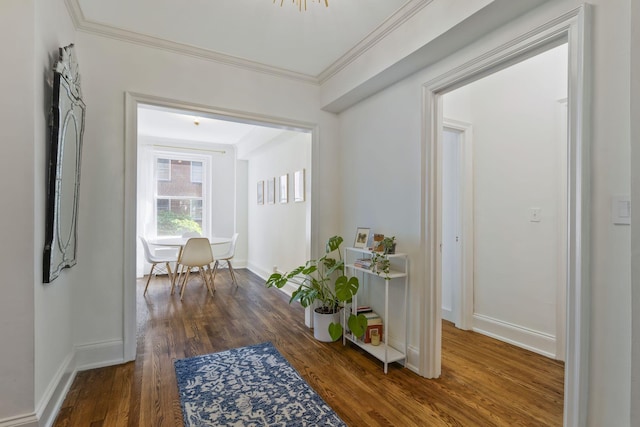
288, 289
519, 336
50, 404
99, 355
27, 420
413, 359
447, 314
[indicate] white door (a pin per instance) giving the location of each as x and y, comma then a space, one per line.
451, 226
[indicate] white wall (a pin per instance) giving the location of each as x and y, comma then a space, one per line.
54, 346
18, 105
384, 129
34, 319
111, 68
635, 200
278, 233
516, 167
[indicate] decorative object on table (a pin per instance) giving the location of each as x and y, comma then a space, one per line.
389, 245
377, 242
66, 129
252, 385
374, 336
298, 186
260, 192
374, 322
322, 282
362, 237
379, 262
284, 188
271, 191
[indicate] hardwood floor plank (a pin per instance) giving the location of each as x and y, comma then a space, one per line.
484, 382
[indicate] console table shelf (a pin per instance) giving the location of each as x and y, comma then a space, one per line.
397, 276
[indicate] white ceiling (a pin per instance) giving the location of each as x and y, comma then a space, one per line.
270, 34
260, 31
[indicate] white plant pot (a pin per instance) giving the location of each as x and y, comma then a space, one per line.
321, 325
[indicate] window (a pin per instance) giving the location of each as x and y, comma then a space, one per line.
179, 194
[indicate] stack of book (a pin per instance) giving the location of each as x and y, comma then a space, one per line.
362, 263
374, 321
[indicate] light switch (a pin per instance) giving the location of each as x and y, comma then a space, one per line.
535, 214
621, 210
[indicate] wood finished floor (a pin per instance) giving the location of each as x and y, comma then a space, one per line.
484, 382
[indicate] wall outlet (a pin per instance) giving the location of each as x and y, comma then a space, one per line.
275, 268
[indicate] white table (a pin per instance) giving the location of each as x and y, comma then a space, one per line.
179, 242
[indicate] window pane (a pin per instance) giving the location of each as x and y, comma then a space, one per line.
196, 171
163, 170
179, 216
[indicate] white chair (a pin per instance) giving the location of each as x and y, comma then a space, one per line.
161, 259
226, 257
196, 253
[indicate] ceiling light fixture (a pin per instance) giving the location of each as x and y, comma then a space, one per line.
300, 3
196, 121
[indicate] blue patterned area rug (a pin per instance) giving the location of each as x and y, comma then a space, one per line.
248, 386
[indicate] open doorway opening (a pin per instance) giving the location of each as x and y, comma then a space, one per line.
570, 29
233, 185
513, 206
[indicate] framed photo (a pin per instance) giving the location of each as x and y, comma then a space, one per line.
260, 192
298, 186
271, 191
362, 237
284, 188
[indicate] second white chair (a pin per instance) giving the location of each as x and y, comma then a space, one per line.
196, 253
226, 257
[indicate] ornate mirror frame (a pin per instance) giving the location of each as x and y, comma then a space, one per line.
66, 129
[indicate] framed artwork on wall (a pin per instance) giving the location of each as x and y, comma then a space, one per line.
271, 191
298, 186
284, 188
260, 191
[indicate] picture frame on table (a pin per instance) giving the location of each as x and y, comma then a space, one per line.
362, 237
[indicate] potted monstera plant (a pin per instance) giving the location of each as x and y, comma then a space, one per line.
323, 285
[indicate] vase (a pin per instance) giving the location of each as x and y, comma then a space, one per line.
321, 323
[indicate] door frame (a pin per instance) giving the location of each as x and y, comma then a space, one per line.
571, 28
130, 190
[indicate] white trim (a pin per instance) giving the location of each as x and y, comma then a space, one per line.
51, 402
535, 341
571, 27
99, 354
399, 17
26, 420
130, 190
83, 24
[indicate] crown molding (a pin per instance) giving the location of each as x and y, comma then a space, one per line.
401, 16
85, 25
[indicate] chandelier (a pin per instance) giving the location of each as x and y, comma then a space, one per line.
301, 3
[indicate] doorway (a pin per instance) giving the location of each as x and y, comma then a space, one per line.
570, 29
518, 203
240, 182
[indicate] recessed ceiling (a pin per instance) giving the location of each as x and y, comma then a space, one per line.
260, 31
